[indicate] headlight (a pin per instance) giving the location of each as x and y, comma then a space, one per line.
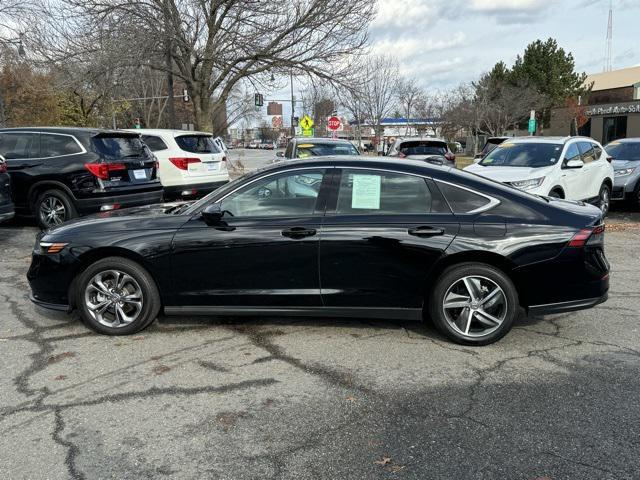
624, 171
527, 184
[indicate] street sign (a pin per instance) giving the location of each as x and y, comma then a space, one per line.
306, 122
307, 132
532, 125
333, 123
276, 122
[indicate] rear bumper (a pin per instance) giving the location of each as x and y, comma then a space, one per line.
195, 190
563, 307
124, 200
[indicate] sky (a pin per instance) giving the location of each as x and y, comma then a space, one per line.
442, 43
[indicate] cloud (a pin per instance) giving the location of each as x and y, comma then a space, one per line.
403, 13
408, 47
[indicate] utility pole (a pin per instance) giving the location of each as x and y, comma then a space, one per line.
293, 106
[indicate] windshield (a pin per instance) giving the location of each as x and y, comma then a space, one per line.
306, 150
119, 146
624, 151
197, 144
422, 148
530, 154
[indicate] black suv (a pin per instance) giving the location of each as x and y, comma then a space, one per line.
60, 173
6, 206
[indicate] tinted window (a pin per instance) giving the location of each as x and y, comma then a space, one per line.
197, 144
154, 143
289, 194
461, 200
370, 192
19, 145
119, 146
624, 151
57, 145
572, 152
587, 150
308, 149
422, 148
527, 154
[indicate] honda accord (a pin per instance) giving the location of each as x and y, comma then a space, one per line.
337, 237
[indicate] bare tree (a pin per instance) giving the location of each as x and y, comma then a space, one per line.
409, 95
379, 89
215, 46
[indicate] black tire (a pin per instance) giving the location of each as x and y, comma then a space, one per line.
604, 199
43, 204
507, 304
555, 194
150, 298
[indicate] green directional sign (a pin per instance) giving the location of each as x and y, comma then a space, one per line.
532, 125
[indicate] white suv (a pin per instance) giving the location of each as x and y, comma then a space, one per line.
191, 163
575, 168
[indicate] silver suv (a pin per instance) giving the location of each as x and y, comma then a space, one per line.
625, 154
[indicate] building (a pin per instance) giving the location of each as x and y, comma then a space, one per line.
611, 111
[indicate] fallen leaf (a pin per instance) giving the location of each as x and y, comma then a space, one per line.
60, 377
160, 369
394, 468
383, 461
351, 398
61, 356
141, 337
268, 402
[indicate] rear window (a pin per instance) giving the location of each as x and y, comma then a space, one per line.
197, 144
119, 146
308, 149
624, 151
423, 148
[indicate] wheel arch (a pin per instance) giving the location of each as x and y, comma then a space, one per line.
559, 189
489, 258
43, 185
609, 183
97, 254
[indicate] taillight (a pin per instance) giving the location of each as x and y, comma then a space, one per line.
3, 167
588, 236
183, 163
101, 170
401, 155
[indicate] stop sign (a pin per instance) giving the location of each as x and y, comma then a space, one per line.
334, 123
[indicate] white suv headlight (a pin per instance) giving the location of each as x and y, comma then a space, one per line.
624, 171
527, 184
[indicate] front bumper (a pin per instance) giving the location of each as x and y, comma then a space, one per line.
50, 306
624, 187
563, 307
192, 190
124, 200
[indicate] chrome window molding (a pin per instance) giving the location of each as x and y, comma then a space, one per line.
493, 202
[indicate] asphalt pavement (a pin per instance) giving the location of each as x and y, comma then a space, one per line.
258, 398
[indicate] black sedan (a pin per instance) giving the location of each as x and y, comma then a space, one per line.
6, 205
334, 236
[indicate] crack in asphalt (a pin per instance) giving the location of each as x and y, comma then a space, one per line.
72, 449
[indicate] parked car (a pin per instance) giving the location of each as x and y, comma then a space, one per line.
625, 156
191, 164
254, 145
306, 147
60, 173
489, 145
267, 146
6, 205
369, 238
432, 150
575, 168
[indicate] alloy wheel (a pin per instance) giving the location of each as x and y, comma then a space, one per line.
114, 298
52, 211
475, 306
605, 200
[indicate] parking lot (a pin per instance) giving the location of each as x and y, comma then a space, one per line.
236, 398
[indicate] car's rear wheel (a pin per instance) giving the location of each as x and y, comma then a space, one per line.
116, 296
604, 201
473, 304
52, 208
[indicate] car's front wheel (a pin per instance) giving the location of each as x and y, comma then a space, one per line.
116, 296
52, 208
473, 304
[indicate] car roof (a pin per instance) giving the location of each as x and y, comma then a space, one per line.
555, 139
166, 131
320, 140
420, 139
345, 161
63, 130
625, 140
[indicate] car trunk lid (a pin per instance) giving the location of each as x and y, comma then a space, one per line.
124, 160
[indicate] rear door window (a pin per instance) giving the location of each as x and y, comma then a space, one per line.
462, 200
154, 143
58, 145
114, 146
197, 144
371, 192
17, 145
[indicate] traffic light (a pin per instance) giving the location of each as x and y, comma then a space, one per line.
295, 121
259, 99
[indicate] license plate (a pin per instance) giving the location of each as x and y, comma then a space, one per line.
140, 174
212, 167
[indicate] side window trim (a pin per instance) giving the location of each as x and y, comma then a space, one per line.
82, 149
493, 202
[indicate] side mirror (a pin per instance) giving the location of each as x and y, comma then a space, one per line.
280, 154
2, 159
212, 214
609, 158
574, 164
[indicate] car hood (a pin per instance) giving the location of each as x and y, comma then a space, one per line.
508, 174
134, 218
620, 164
